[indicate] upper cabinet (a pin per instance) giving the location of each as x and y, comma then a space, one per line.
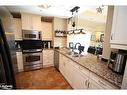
31, 22
119, 28
46, 30
17, 28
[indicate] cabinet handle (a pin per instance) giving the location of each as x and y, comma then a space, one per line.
88, 84
80, 68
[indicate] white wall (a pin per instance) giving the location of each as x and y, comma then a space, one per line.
83, 39
59, 24
106, 44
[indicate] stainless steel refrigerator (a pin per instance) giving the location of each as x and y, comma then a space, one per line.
8, 61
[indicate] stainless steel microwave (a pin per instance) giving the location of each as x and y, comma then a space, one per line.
31, 35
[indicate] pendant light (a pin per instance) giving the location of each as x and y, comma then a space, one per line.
100, 9
74, 21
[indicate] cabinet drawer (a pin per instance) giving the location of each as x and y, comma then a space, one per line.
105, 84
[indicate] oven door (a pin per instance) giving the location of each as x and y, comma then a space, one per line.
31, 35
32, 58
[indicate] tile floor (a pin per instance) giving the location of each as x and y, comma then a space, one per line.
46, 78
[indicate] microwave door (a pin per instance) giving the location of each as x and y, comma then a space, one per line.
31, 35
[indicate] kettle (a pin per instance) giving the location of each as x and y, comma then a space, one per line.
118, 63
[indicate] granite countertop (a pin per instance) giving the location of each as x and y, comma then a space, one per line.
96, 66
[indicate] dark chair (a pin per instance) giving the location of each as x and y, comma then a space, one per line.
91, 49
81, 49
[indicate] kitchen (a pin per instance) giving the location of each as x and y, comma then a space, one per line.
50, 55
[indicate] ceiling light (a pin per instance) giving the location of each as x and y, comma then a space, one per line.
100, 9
74, 21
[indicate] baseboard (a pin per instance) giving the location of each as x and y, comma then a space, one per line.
105, 60
49, 65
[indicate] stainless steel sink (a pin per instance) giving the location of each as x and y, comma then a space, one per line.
74, 54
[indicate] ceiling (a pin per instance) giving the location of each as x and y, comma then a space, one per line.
62, 11
88, 15
92, 15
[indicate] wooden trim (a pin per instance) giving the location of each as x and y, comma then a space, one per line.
16, 15
47, 19
50, 65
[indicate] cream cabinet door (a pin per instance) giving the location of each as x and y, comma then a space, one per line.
119, 26
65, 68
48, 57
17, 28
93, 85
62, 64
99, 81
79, 80
46, 30
27, 22
36, 22
31, 22
73, 75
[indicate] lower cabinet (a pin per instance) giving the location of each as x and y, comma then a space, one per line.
93, 85
79, 81
48, 57
79, 77
95, 79
75, 78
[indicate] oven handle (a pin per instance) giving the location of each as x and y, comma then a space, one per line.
24, 52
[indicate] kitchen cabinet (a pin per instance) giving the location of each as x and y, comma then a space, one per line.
20, 61
93, 85
46, 30
72, 74
31, 22
81, 78
62, 64
48, 57
8, 23
17, 28
98, 82
119, 27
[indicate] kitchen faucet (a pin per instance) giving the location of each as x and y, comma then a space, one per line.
77, 44
80, 48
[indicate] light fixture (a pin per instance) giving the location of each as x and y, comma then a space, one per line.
74, 21
100, 9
